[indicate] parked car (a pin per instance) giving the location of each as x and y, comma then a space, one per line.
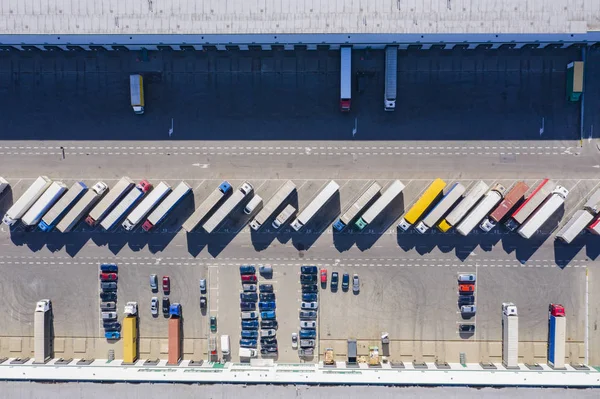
309, 305
248, 297
268, 333
112, 286
166, 284
466, 300
267, 350
248, 343
308, 334
247, 306
109, 268
249, 287
268, 341
108, 315
294, 340
323, 276
108, 306
345, 281
112, 335
165, 305
355, 283
266, 287
466, 288
203, 302
266, 270
308, 324
267, 315
154, 282
466, 278
249, 278
249, 324
307, 343
310, 297
268, 324
247, 269
308, 278
111, 325
266, 306
308, 314
253, 334
334, 281
203, 286
267, 297
213, 324
468, 309
249, 315
154, 306
466, 328
108, 296
307, 288
309, 270
108, 276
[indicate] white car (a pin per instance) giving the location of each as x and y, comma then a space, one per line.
308, 324
154, 306
294, 340
466, 278
249, 287
268, 333
468, 309
203, 286
154, 282
309, 305
355, 283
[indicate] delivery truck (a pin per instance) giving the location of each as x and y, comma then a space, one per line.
487, 203
147, 205
110, 199
52, 194
389, 195
82, 207
161, 211
362, 203
510, 335
391, 78
207, 206
544, 212
228, 207
274, 203
54, 215
315, 205
429, 196
537, 196
25, 201
345, 78
469, 200
135, 195
136, 91
441, 208
510, 200
557, 336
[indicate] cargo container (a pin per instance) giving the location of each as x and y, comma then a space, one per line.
352, 353
537, 196
52, 194
130, 337
441, 208
161, 211
147, 204
25, 201
510, 200
510, 336
228, 207
136, 90
464, 206
174, 356
274, 203
345, 78
135, 195
315, 205
544, 212
110, 199
82, 207
207, 206
284, 216
3, 185
483, 207
43, 339
54, 215
575, 225
391, 78
557, 334
380, 204
429, 196
356, 209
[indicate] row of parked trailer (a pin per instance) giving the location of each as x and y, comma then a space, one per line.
49, 204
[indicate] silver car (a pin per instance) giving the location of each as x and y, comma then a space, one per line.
154, 282
466, 278
294, 340
107, 306
468, 309
268, 333
308, 324
355, 283
154, 306
249, 287
203, 286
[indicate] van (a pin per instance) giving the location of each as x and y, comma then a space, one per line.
109, 315
225, 345
247, 352
254, 202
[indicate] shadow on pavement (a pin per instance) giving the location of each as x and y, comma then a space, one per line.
266, 234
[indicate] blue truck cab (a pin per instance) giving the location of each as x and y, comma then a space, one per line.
339, 225
175, 310
225, 187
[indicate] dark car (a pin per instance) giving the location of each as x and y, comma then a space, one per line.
466, 328
266, 287
335, 278
265, 350
466, 300
166, 284
271, 324
248, 297
345, 281
310, 298
266, 305
109, 268
268, 341
250, 324
308, 334
247, 269
202, 302
309, 270
112, 326
307, 288
165, 305
213, 323
247, 305
108, 296
308, 314
267, 296
308, 278
112, 286
252, 334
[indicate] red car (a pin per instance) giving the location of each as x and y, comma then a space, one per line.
556, 310
249, 278
108, 276
466, 288
166, 284
323, 276
144, 185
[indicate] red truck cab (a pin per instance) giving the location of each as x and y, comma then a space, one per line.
556, 310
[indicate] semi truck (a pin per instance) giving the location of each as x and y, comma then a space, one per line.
469, 200
25, 201
380, 204
42, 331
136, 91
207, 206
315, 205
487, 203
580, 219
130, 333
544, 212
358, 207
274, 203
441, 208
510, 200
52, 194
510, 335
53, 216
106, 204
283, 217
557, 334
125, 205
423, 203
82, 206
391, 78
228, 206
345, 78
174, 356
166, 206
147, 204
537, 196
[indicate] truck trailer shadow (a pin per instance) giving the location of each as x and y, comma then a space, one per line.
307, 236
263, 238
380, 225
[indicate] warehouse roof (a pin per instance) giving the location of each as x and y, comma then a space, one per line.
297, 16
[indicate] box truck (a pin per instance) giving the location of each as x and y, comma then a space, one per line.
147, 204
510, 200
358, 207
136, 90
345, 78
166, 206
469, 200
110, 199
315, 205
544, 212
537, 196
380, 204
52, 194
125, 205
391, 78
54, 215
25, 201
274, 203
82, 207
487, 203
441, 208
424, 202
207, 206
228, 207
